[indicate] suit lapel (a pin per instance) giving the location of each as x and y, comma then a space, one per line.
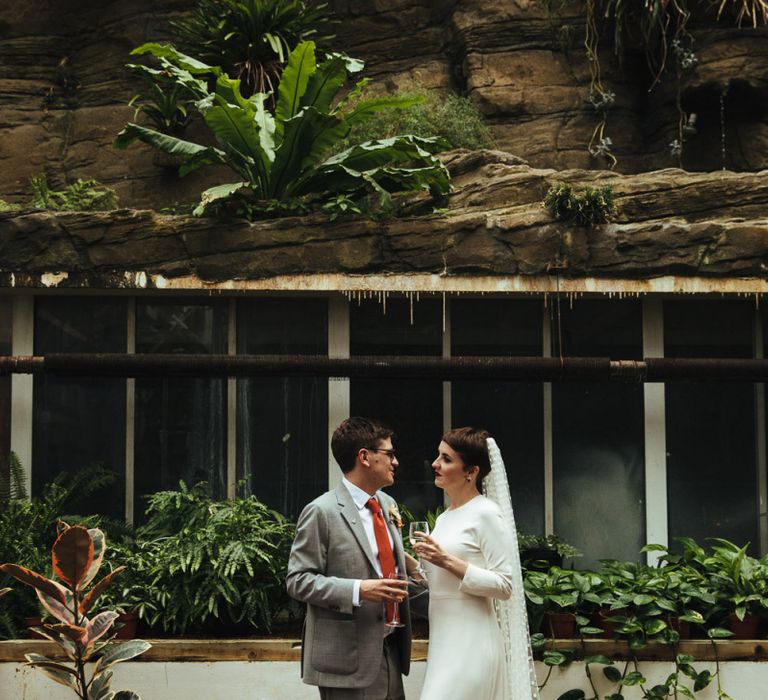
350, 513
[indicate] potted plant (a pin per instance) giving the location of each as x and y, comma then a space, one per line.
558, 593
544, 551
77, 556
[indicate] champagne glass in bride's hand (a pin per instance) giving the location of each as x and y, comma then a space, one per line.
418, 526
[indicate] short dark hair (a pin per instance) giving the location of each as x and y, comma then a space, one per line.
471, 444
353, 435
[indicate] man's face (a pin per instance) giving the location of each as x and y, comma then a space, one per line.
383, 464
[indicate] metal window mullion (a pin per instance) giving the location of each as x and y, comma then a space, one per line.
231, 402
130, 415
338, 387
655, 432
447, 386
760, 439
22, 385
546, 387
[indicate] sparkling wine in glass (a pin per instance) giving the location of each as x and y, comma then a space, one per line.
392, 610
413, 528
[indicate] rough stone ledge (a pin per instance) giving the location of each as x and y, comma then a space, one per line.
668, 222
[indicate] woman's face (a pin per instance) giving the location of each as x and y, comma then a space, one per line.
448, 468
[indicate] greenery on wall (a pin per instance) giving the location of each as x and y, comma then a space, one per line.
250, 40
447, 115
284, 161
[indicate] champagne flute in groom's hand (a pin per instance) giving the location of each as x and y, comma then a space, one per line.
418, 526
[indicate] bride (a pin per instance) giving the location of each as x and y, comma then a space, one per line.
479, 648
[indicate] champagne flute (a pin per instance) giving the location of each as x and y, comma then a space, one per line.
392, 609
413, 528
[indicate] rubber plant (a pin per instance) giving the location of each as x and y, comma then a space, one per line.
283, 161
77, 555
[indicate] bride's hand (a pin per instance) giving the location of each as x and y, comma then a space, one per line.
430, 551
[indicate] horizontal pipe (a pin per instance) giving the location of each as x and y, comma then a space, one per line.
515, 369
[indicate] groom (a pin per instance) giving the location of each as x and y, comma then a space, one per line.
336, 567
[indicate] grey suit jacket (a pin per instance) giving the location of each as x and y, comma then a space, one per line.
341, 644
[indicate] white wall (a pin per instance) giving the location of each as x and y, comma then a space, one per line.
279, 680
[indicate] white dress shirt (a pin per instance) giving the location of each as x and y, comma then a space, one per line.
360, 498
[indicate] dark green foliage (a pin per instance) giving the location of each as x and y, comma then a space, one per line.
449, 116
198, 561
13, 481
585, 206
165, 105
281, 160
80, 195
250, 40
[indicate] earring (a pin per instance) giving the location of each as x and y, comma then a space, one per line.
469, 478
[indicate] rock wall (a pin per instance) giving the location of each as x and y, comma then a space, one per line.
64, 91
668, 223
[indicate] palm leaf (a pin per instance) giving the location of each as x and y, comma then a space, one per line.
217, 194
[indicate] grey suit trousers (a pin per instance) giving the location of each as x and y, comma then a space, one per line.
387, 686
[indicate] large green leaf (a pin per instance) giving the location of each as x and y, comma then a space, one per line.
293, 84
99, 547
170, 52
164, 142
306, 136
366, 108
56, 672
217, 194
123, 651
325, 83
239, 135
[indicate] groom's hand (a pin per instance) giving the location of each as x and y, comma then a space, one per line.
383, 590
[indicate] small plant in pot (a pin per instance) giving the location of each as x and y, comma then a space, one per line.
544, 551
559, 594
77, 556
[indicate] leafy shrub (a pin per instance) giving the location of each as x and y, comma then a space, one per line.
586, 206
28, 530
8, 206
282, 160
434, 113
198, 560
250, 39
80, 195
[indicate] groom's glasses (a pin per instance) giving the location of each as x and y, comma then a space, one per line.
389, 453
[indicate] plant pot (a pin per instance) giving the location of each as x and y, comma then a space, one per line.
608, 626
129, 622
746, 628
682, 627
31, 622
535, 556
561, 625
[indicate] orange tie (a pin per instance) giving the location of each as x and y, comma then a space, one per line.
386, 557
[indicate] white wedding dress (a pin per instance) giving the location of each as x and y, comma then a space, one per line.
466, 659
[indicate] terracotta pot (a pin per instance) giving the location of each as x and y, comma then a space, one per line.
561, 625
746, 628
129, 622
31, 622
608, 626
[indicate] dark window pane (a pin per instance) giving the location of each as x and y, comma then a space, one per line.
283, 421
6, 318
80, 421
711, 473
511, 411
180, 423
413, 409
598, 436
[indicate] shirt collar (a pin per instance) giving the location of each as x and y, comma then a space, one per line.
359, 496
